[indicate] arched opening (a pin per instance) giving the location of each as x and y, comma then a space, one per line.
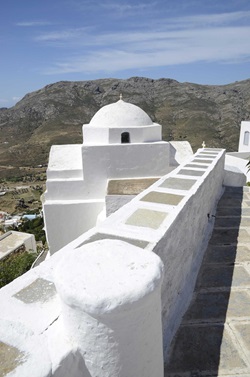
246, 138
125, 137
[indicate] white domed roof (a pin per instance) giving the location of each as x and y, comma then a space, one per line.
120, 115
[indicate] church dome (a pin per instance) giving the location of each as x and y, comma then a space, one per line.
120, 115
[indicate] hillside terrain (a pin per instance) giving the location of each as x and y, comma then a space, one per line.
55, 115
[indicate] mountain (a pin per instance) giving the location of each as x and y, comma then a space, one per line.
55, 114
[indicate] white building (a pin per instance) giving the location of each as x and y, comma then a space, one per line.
13, 241
120, 142
244, 141
236, 162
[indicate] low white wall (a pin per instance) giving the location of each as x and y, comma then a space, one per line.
30, 243
65, 161
84, 214
110, 162
234, 162
118, 161
78, 174
180, 152
82, 199
234, 177
76, 189
182, 248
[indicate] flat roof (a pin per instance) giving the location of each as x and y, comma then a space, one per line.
11, 241
132, 186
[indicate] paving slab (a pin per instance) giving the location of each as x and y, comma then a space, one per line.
208, 154
10, 358
199, 166
129, 186
246, 203
40, 290
229, 254
146, 218
199, 348
244, 334
230, 202
197, 173
236, 222
227, 222
232, 211
214, 337
212, 306
202, 161
178, 183
229, 236
221, 276
162, 198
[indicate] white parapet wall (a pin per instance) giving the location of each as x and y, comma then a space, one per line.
172, 218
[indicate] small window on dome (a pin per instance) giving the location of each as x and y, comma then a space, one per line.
125, 137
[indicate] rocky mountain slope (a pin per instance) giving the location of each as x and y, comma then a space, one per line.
55, 114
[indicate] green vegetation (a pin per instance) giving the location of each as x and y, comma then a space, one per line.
20, 261
15, 265
34, 227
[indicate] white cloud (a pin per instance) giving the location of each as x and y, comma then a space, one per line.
209, 19
208, 38
123, 7
114, 8
70, 35
89, 35
33, 23
163, 49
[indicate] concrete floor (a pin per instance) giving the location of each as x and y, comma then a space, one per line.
214, 336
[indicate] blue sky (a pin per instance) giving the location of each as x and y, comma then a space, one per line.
200, 41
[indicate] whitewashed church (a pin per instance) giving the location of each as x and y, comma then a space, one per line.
121, 155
